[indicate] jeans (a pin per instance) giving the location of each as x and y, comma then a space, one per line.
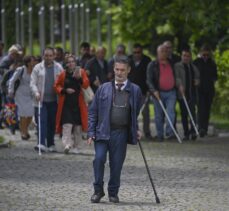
169, 100
48, 122
116, 147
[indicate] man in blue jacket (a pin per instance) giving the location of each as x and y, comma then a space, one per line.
112, 123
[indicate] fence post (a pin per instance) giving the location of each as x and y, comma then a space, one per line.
82, 24
3, 37
17, 16
30, 30
51, 9
70, 12
98, 10
76, 28
87, 10
109, 31
41, 27
22, 25
63, 34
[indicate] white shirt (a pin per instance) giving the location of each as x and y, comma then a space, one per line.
124, 82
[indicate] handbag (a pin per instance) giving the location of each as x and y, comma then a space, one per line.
88, 94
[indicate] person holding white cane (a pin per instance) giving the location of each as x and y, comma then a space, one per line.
42, 80
161, 83
187, 80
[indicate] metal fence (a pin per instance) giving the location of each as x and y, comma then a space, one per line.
73, 23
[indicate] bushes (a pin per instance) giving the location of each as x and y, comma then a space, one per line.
221, 101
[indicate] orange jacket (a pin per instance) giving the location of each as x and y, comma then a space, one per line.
58, 86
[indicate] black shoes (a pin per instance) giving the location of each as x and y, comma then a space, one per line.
96, 197
148, 136
186, 138
193, 137
202, 133
114, 199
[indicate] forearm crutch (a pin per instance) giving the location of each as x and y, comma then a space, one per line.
170, 123
190, 115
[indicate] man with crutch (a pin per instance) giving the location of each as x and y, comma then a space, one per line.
161, 83
187, 80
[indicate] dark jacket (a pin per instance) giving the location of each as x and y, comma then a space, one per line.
96, 70
153, 75
100, 108
137, 74
208, 75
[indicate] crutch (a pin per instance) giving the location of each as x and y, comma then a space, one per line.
190, 114
39, 127
170, 123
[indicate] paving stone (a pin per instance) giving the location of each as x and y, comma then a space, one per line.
188, 176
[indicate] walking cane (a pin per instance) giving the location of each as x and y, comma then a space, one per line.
190, 114
170, 123
39, 127
143, 155
149, 174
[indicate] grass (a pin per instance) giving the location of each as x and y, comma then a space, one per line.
2, 139
220, 122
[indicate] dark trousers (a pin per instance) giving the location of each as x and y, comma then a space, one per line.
48, 122
185, 116
204, 108
146, 117
116, 147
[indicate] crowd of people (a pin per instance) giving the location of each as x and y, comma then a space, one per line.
53, 82
51, 90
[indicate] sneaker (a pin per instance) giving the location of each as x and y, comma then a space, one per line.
75, 150
52, 148
42, 148
67, 149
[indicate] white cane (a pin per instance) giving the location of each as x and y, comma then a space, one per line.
190, 114
170, 123
39, 127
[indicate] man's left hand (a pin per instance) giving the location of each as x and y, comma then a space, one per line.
139, 134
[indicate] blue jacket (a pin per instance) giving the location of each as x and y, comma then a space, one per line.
100, 108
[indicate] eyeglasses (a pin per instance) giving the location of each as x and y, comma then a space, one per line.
137, 52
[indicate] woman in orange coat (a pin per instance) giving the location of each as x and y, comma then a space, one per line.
72, 110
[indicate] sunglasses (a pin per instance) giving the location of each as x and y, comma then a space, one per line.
137, 52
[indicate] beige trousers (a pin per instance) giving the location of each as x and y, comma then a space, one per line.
24, 125
71, 135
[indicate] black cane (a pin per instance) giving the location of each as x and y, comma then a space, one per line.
147, 168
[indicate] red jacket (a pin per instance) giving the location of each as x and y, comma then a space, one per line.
58, 86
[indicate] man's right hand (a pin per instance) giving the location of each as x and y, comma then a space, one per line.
90, 140
38, 97
157, 95
181, 89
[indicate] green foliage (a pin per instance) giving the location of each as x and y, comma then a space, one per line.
2, 139
221, 101
152, 21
